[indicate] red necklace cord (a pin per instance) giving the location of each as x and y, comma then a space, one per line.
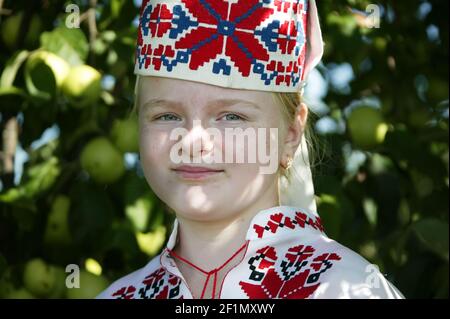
214, 285
209, 273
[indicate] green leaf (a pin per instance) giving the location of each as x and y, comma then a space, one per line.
134, 187
139, 212
91, 214
70, 44
371, 211
3, 265
140, 202
123, 239
42, 176
12, 99
434, 234
116, 7
158, 217
37, 179
12, 66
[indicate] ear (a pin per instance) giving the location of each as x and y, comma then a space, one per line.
295, 132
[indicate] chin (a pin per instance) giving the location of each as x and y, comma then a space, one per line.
197, 212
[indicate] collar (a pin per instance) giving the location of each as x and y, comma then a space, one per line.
274, 223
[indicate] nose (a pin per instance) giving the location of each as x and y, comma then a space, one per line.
197, 144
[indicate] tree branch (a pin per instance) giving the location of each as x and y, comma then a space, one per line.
92, 26
4, 11
10, 136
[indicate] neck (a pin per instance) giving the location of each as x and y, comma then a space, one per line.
209, 244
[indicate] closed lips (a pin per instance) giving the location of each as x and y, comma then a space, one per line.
194, 169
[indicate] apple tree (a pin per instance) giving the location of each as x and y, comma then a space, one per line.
79, 196
73, 199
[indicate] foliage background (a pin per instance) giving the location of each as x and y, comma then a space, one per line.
389, 203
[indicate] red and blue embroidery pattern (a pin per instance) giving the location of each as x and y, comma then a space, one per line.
299, 274
296, 275
264, 39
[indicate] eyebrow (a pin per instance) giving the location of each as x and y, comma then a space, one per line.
218, 102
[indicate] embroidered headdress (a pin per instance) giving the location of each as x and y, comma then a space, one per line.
267, 45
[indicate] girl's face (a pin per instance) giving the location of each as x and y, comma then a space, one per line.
169, 104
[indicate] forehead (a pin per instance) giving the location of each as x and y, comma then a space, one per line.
160, 88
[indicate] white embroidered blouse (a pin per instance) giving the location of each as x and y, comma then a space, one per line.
287, 255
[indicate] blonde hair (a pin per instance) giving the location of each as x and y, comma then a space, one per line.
290, 103
295, 185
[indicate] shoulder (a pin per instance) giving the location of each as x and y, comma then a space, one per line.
125, 287
353, 276
341, 272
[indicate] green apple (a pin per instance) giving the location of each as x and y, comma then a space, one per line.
57, 228
330, 214
34, 32
125, 134
45, 73
380, 44
39, 277
11, 29
20, 293
437, 90
367, 127
6, 285
82, 86
419, 118
60, 288
90, 286
102, 161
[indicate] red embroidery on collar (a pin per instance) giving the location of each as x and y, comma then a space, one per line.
299, 276
280, 220
125, 293
158, 285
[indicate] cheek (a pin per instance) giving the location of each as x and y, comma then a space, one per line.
255, 157
154, 147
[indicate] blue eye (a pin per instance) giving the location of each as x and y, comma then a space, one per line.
233, 117
168, 117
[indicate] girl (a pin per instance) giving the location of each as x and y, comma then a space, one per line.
207, 68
